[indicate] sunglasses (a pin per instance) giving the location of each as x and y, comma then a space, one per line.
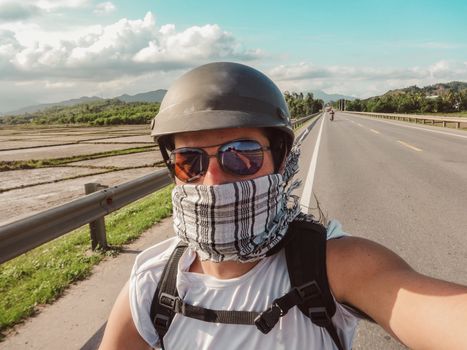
237, 157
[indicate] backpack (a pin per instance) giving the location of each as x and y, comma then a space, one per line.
305, 245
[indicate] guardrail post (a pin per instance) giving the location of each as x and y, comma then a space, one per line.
97, 227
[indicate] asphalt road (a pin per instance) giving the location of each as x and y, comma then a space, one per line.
400, 184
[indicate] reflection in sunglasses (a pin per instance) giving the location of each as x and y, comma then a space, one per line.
243, 158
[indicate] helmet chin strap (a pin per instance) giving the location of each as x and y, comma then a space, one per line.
165, 156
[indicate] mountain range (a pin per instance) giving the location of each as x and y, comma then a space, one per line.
150, 96
320, 94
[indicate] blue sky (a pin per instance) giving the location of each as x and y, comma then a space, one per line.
52, 50
335, 32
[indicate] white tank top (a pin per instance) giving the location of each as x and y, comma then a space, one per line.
253, 291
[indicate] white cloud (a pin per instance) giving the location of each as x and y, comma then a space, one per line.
50, 5
126, 47
15, 11
127, 50
308, 71
167, 29
193, 44
21, 10
8, 47
364, 81
59, 85
104, 7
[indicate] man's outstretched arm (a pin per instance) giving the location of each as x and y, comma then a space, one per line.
120, 332
420, 311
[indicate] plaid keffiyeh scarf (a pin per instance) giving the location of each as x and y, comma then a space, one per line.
238, 221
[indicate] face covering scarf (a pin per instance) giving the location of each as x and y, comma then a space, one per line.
239, 221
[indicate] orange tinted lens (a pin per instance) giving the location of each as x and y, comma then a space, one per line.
188, 163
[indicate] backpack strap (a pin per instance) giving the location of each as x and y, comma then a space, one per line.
306, 263
166, 291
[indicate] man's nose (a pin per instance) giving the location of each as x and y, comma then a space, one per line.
214, 174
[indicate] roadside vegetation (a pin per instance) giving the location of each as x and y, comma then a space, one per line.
301, 105
43, 274
447, 99
96, 113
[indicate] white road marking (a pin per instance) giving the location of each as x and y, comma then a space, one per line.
376, 132
308, 189
360, 125
409, 146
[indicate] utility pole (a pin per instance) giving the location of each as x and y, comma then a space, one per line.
342, 103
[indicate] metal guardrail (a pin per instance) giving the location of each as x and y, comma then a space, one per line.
23, 235
415, 117
297, 122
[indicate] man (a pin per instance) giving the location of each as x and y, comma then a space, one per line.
224, 131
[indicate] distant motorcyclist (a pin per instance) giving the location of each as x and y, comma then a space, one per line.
332, 114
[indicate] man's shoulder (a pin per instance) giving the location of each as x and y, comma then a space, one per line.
154, 257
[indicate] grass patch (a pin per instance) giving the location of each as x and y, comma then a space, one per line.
41, 275
44, 163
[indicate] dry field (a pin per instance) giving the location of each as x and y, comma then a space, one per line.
24, 192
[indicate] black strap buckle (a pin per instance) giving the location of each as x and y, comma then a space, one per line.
308, 291
266, 320
319, 316
162, 321
170, 302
